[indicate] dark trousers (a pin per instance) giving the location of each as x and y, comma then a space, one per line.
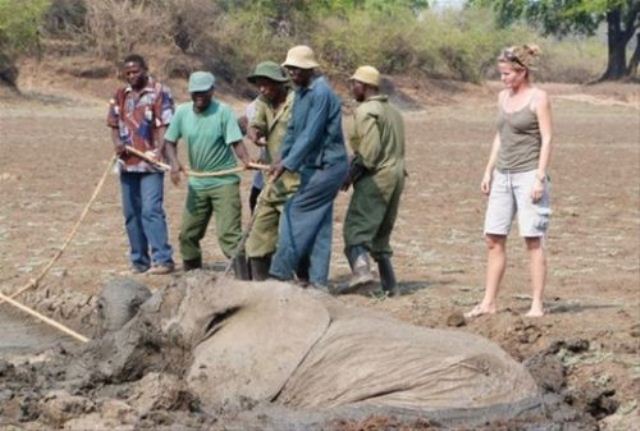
306, 225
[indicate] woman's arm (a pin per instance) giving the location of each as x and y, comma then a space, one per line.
485, 185
543, 112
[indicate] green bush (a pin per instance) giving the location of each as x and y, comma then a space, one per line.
19, 23
457, 45
579, 60
230, 37
19, 32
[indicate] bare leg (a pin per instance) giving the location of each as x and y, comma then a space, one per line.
538, 268
496, 263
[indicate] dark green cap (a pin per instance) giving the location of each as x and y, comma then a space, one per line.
269, 70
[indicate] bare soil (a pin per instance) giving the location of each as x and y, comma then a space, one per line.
54, 146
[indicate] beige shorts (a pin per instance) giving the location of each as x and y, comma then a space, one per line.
511, 195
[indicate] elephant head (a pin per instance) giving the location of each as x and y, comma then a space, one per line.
118, 302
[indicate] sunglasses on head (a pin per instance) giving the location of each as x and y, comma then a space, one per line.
509, 55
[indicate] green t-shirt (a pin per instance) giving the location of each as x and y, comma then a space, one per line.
209, 136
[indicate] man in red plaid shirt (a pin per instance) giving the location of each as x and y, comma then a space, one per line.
138, 117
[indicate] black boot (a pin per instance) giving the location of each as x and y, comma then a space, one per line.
241, 267
388, 277
302, 272
260, 267
191, 264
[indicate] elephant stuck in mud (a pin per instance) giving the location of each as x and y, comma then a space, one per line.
118, 302
272, 342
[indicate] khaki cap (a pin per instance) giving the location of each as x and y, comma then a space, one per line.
367, 75
302, 57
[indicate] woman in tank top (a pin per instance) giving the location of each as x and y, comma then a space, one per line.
515, 179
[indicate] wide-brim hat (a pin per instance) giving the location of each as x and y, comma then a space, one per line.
367, 75
201, 81
269, 70
302, 57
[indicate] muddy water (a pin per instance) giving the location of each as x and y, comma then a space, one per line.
21, 334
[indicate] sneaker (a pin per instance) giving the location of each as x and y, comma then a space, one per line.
164, 269
137, 269
321, 288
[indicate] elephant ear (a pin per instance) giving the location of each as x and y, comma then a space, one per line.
255, 343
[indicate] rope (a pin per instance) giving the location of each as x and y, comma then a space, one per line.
34, 282
45, 319
166, 167
239, 249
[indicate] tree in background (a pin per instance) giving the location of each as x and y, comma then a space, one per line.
19, 24
562, 17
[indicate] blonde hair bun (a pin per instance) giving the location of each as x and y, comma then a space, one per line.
532, 49
521, 56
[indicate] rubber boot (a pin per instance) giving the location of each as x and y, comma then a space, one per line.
191, 264
260, 267
388, 277
358, 258
302, 272
241, 267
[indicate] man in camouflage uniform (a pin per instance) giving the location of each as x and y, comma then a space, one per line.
377, 173
267, 129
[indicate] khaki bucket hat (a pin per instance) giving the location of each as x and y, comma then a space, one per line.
302, 57
367, 75
269, 70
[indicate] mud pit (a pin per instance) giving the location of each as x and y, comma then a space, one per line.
54, 147
22, 336
205, 351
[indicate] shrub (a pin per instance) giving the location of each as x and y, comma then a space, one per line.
115, 27
19, 32
19, 23
572, 59
65, 17
230, 37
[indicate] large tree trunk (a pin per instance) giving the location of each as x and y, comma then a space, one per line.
617, 62
632, 69
8, 71
621, 26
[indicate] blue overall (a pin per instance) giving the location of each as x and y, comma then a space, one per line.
314, 147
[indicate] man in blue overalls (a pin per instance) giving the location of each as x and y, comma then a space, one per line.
314, 147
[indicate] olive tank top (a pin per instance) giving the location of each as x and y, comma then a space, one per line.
520, 140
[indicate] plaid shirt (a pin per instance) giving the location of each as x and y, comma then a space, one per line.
137, 116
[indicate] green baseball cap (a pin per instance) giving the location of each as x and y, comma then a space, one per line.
201, 81
269, 70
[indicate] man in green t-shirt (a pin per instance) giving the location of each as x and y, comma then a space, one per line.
212, 135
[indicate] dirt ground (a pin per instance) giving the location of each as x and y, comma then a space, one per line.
54, 147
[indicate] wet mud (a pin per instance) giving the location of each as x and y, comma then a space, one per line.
135, 379
22, 335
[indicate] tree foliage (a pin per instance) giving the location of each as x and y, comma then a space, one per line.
562, 17
19, 31
19, 23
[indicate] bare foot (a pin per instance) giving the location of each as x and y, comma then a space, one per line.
479, 310
535, 312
